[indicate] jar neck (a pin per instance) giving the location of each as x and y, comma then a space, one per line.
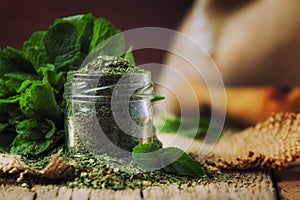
105, 88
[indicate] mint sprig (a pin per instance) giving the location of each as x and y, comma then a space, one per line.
157, 98
170, 160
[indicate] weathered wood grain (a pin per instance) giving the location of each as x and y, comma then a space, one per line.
288, 181
7, 192
45, 192
250, 185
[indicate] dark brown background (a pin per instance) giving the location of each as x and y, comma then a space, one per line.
20, 18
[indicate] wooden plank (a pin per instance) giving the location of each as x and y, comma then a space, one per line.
255, 185
116, 195
81, 194
167, 192
64, 193
15, 192
45, 192
241, 185
288, 182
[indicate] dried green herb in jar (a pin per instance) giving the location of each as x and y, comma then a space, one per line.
109, 107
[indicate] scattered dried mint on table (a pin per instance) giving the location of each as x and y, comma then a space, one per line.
40, 162
106, 172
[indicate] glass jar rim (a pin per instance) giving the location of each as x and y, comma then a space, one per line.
145, 73
89, 86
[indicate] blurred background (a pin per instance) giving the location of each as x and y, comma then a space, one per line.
19, 19
250, 48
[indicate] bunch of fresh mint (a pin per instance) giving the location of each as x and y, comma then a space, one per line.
32, 81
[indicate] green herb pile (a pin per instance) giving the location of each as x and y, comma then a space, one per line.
106, 172
32, 80
110, 65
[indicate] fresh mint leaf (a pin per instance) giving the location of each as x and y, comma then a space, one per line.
15, 79
129, 56
16, 116
171, 160
189, 127
14, 60
4, 90
39, 101
106, 40
25, 84
13, 99
34, 49
84, 25
10, 100
5, 66
147, 156
62, 47
181, 163
7, 106
34, 137
157, 98
35, 41
103, 30
7, 135
30, 129
55, 79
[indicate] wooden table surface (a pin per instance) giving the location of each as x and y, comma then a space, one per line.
283, 184
288, 182
251, 185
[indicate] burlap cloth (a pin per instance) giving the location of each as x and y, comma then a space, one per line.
271, 144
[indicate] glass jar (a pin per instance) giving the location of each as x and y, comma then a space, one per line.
108, 113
